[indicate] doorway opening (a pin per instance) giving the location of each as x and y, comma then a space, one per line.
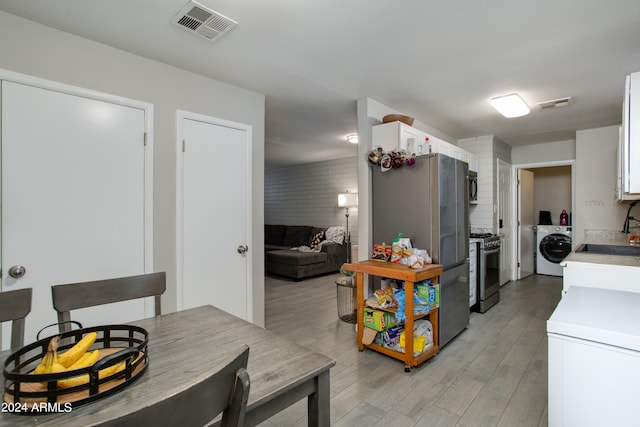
544, 190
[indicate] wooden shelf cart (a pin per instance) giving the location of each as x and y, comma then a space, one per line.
410, 276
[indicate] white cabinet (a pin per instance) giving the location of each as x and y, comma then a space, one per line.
628, 183
473, 162
473, 273
622, 276
594, 359
398, 135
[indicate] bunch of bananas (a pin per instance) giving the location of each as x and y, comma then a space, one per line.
77, 357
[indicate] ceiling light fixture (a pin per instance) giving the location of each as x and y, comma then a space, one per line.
510, 105
352, 138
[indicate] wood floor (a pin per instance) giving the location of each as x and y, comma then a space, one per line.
493, 374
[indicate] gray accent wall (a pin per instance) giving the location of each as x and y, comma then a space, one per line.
308, 194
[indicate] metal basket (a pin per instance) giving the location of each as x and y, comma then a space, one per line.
116, 343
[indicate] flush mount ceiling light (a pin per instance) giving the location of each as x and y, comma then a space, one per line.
510, 105
352, 139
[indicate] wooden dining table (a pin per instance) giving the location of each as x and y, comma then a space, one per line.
183, 345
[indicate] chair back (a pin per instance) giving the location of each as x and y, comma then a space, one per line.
224, 391
89, 294
14, 306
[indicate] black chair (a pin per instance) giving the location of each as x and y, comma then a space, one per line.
88, 294
14, 306
224, 391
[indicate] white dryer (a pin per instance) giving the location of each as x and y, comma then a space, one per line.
554, 244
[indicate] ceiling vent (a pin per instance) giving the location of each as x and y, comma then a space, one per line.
203, 21
554, 103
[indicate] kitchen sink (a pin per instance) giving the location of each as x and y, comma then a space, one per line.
609, 249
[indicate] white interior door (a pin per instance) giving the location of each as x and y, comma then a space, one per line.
73, 198
505, 221
526, 222
214, 188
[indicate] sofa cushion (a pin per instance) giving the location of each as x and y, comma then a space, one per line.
297, 235
290, 257
274, 234
275, 247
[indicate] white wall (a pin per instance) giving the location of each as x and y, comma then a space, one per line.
33, 49
308, 194
544, 152
552, 191
596, 172
484, 214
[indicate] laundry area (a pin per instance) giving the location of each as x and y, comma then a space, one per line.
552, 205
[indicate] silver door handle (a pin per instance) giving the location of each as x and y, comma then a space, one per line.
242, 249
17, 271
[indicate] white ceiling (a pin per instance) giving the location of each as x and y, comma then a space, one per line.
439, 61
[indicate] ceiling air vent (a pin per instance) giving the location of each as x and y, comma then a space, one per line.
554, 103
203, 21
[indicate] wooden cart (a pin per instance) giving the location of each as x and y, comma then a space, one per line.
410, 276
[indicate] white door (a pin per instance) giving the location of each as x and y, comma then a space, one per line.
505, 221
213, 217
526, 222
73, 198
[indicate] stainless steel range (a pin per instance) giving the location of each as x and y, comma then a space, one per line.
488, 271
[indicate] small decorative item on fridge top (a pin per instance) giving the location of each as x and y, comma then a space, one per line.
390, 160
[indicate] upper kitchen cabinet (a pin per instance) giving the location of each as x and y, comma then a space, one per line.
400, 136
628, 183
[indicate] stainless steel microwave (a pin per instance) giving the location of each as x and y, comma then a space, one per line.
473, 186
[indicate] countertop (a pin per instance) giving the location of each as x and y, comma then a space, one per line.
597, 237
598, 315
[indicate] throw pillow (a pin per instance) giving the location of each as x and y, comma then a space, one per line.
316, 239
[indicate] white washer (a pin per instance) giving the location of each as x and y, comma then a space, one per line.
553, 245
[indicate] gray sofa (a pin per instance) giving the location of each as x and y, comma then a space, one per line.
281, 260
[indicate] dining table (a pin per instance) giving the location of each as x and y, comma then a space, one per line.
182, 346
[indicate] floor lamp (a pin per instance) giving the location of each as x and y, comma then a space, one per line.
346, 201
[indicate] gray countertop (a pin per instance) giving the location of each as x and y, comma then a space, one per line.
617, 239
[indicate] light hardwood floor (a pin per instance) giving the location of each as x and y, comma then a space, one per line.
493, 374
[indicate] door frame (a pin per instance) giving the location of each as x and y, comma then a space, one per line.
148, 108
181, 115
510, 203
516, 168
517, 205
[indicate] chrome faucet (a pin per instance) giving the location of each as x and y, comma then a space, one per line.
625, 227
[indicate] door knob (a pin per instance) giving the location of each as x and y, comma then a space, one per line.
17, 271
242, 249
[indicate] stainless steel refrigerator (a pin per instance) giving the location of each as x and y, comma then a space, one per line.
428, 202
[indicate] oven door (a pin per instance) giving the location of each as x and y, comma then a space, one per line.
490, 273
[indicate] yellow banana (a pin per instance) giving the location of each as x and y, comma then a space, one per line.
84, 379
72, 355
87, 359
50, 363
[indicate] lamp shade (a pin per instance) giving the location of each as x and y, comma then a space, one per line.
347, 200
